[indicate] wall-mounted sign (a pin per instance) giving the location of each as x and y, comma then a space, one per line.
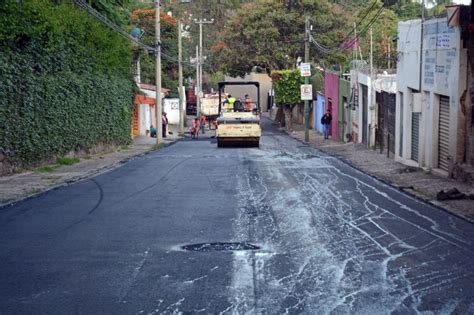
305, 69
306, 92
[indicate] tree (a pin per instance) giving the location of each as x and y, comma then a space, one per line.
269, 35
384, 28
220, 11
145, 20
406, 9
286, 84
113, 9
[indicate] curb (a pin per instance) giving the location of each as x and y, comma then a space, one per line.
386, 182
87, 175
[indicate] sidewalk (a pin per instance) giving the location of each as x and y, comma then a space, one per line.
414, 181
30, 183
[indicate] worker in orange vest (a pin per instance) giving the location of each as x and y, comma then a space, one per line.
194, 130
248, 103
203, 124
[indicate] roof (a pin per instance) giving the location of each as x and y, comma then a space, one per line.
143, 99
151, 87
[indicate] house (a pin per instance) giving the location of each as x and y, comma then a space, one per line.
463, 17
319, 108
431, 80
344, 112
366, 111
331, 91
385, 111
362, 103
144, 109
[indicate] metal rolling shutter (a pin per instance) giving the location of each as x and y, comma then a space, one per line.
443, 139
365, 101
415, 135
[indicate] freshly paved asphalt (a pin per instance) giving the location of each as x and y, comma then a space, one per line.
333, 240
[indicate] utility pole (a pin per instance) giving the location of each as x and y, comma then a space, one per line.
159, 124
197, 82
200, 62
306, 80
355, 39
371, 57
372, 90
181, 96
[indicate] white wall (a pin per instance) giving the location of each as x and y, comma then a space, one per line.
408, 82
444, 71
364, 79
171, 107
408, 47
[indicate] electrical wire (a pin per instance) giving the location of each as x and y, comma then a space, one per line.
328, 50
358, 23
94, 13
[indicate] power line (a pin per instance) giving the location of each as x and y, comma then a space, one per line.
341, 46
94, 13
110, 24
358, 23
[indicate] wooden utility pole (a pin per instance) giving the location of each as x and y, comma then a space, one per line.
306, 80
159, 124
181, 92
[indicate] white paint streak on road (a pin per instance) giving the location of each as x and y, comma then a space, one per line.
341, 251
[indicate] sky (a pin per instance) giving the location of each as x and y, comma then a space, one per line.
462, 1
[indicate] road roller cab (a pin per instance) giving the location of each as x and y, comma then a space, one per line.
239, 118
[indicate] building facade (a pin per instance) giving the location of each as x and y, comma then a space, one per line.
344, 114
331, 90
431, 78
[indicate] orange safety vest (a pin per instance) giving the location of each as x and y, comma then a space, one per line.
248, 104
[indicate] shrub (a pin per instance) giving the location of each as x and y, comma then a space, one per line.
65, 82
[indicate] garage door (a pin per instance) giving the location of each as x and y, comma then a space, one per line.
443, 139
415, 135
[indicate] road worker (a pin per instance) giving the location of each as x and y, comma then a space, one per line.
203, 124
230, 103
248, 103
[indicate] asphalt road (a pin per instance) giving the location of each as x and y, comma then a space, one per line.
331, 239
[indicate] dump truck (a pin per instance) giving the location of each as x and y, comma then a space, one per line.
238, 125
210, 107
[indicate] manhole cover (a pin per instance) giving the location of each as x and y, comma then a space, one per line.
210, 247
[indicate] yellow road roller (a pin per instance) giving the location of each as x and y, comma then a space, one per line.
238, 123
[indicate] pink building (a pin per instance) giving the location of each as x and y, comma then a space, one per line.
331, 91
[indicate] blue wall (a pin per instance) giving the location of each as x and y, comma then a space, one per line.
318, 112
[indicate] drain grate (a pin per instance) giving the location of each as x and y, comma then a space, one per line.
210, 247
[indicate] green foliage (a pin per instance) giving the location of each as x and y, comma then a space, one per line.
145, 20
286, 84
406, 9
317, 81
63, 160
47, 168
65, 82
384, 30
113, 10
268, 35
